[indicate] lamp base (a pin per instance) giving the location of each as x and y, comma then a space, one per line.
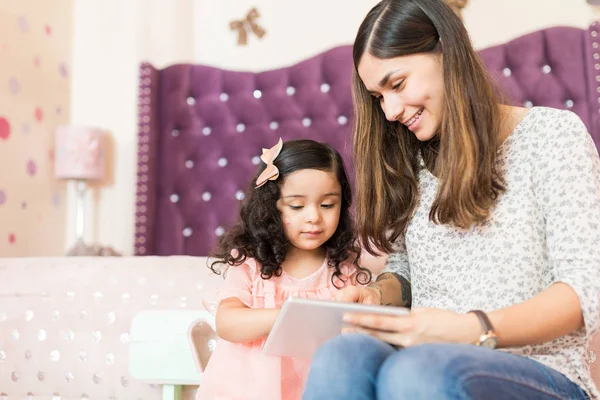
81, 249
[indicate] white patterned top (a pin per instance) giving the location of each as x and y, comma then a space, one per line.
544, 229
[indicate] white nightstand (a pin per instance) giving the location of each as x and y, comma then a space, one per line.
171, 348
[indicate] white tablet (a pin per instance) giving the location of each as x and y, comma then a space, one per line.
305, 324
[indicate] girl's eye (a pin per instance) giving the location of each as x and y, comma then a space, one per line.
296, 207
327, 205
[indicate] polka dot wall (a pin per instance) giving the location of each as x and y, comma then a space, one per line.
35, 48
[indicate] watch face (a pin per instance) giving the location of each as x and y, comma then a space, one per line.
490, 342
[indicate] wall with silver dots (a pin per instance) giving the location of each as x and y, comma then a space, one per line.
35, 80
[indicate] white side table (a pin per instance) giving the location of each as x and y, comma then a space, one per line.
161, 349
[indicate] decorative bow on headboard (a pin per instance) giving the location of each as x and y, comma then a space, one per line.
242, 26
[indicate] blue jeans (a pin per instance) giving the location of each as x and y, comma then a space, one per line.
359, 367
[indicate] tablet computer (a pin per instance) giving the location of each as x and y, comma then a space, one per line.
305, 324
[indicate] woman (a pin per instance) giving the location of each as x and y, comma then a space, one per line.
491, 214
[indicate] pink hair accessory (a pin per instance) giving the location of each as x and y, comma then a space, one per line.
268, 156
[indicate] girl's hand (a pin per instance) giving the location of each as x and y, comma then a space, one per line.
357, 294
421, 325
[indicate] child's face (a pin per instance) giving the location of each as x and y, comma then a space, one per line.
310, 205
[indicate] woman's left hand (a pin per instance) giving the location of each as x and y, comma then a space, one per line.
421, 325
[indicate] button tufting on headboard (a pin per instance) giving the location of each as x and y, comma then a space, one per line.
546, 69
201, 129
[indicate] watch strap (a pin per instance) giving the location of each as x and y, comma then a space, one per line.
486, 324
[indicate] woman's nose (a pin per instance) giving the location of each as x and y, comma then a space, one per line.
393, 108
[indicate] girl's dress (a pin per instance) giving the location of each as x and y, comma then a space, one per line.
239, 371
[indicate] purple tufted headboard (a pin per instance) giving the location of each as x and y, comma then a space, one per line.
201, 128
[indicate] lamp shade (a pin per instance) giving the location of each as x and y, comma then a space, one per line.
79, 152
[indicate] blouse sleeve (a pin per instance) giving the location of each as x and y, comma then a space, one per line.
567, 187
397, 261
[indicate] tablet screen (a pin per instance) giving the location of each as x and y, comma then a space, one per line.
303, 325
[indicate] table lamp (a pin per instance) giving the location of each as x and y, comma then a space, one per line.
79, 155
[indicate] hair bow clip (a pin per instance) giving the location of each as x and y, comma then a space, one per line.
268, 156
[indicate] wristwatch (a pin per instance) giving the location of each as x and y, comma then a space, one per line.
489, 338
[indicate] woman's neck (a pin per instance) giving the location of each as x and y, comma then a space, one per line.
511, 117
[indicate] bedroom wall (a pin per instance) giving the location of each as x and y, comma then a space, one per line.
35, 53
112, 36
298, 29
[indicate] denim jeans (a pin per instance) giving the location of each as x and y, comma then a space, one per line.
354, 366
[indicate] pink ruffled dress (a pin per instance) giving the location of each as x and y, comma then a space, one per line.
239, 371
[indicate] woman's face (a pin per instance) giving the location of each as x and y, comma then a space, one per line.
410, 89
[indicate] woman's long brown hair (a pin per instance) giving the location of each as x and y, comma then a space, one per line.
386, 154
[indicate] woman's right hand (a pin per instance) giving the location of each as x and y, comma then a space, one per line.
357, 294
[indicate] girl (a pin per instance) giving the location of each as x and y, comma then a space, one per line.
491, 214
294, 237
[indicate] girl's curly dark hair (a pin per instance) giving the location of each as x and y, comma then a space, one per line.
259, 232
